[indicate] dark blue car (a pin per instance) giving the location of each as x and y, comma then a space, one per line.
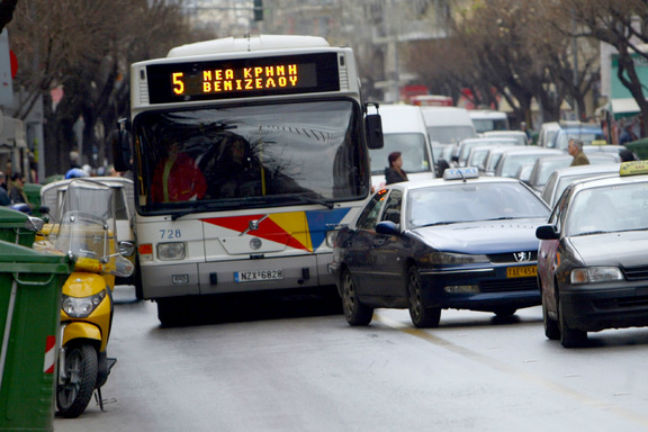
464, 243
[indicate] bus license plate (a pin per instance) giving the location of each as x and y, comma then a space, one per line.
521, 271
257, 275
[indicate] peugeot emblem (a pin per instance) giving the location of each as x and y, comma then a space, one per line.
522, 256
253, 225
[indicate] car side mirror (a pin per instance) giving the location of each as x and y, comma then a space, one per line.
547, 232
388, 228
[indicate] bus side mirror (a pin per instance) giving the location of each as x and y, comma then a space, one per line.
373, 126
121, 147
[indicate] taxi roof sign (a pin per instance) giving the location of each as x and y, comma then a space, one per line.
599, 142
460, 173
633, 168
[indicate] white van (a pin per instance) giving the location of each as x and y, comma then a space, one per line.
448, 125
488, 120
403, 131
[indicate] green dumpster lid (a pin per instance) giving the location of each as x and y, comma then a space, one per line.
11, 216
13, 253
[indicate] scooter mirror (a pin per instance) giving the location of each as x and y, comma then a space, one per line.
126, 248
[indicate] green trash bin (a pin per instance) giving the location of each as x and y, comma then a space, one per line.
30, 295
16, 227
32, 190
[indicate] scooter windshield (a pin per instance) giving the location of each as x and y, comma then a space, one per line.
87, 221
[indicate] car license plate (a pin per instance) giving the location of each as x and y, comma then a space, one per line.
257, 275
521, 271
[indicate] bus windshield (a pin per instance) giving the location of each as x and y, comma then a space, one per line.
250, 156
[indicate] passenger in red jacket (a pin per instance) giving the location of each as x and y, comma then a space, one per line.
177, 178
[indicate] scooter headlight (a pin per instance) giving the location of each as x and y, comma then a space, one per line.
81, 307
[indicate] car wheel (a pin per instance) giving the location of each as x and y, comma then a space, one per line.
569, 338
421, 316
356, 313
550, 325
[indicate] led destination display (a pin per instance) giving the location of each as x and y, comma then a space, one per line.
278, 75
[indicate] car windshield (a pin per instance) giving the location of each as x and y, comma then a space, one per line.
484, 125
587, 136
608, 209
472, 202
412, 149
547, 167
450, 134
519, 137
477, 157
512, 163
565, 181
249, 156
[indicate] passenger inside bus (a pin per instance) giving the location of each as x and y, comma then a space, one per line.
236, 171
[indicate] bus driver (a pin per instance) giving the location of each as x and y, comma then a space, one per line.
177, 178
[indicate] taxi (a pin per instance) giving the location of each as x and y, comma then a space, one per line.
459, 242
592, 266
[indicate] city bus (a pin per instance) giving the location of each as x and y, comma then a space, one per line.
247, 154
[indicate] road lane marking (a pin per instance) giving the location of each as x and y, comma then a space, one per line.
512, 370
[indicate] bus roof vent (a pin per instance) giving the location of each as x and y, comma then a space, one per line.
252, 43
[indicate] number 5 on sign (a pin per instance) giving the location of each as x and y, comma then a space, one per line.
178, 84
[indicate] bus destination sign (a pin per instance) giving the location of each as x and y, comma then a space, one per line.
250, 77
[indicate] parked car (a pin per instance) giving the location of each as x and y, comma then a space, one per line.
563, 177
448, 125
457, 242
545, 166
52, 195
547, 132
465, 146
403, 131
592, 267
478, 155
513, 158
488, 120
587, 133
610, 150
518, 135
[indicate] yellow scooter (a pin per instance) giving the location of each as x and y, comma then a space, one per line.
86, 232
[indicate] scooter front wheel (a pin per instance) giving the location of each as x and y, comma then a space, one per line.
74, 392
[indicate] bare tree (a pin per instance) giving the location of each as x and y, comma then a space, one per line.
7, 8
622, 24
86, 47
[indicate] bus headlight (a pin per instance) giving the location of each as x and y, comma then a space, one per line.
171, 251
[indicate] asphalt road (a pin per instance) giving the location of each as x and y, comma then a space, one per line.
291, 364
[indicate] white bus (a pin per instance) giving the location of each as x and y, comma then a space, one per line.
247, 153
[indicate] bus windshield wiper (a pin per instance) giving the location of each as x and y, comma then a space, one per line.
194, 209
315, 200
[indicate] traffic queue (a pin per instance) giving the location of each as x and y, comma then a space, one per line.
518, 228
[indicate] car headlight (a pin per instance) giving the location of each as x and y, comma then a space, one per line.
81, 307
595, 274
447, 258
171, 251
330, 238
